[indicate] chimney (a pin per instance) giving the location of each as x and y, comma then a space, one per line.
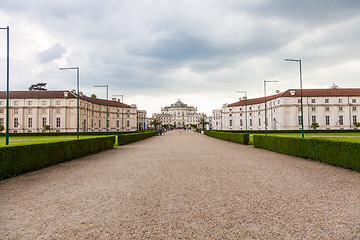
66, 94
277, 92
81, 94
292, 93
119, 100
113, 99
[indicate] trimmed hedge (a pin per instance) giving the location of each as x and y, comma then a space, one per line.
293, 131
242, 138
16, 160
338, 153
133, 137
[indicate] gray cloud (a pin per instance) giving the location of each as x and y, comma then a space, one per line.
55, 52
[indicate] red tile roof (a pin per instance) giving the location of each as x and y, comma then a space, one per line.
341, 92
58, 94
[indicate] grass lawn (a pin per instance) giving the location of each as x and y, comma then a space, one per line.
345, 137
13, 140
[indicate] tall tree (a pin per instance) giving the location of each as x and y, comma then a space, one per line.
38, 87
203, 122
155, 122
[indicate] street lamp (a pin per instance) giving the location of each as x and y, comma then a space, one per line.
265, 104
245, 107
301, 99
7, 87
77, 85
107, 105
122, 112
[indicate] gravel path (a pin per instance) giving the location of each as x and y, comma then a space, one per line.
183, 186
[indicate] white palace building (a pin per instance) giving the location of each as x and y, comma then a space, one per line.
330, 108
30, 111
179, 115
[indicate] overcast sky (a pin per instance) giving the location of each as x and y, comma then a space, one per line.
200, 51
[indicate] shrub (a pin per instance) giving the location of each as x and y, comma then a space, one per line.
233, 137
1, 128
338, 153
16, 160
133, 137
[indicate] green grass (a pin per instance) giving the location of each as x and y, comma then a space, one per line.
13, 140
344, 137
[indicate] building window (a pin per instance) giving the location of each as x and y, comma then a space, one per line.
312, 100
43, 110
230, 115
313, 119
326, 100
44, 122
354, 119
299, 109
44, 102
16, 110
313, 109
299, 120
1, 121
299, 100
354, 108
327, 109
128, 123
58, 102
341, 120
117, 123
327, 120
250, 122
16, 103
99, 123
353, 100
30, 122
16, 122
92, 122
250, 108
340, 101
1, 110
58, 110
29, 103
230, 123
107, 125
241, 122
30, 110
340, 108
250, 114
58, 121
259, 121
1, 103
240, 114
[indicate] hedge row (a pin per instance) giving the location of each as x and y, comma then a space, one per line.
338, 153
133, 137
16, 160
242, 138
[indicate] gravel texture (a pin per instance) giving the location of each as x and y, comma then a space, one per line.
183, 186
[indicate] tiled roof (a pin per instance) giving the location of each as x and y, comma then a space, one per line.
341, 92
58, 94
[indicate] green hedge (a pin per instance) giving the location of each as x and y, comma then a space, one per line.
293, 131
242, 138
16, 160
338, 153
133, 137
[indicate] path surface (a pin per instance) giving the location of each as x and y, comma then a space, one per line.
184, 186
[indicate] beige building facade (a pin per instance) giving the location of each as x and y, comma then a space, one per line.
30, 111
330, 108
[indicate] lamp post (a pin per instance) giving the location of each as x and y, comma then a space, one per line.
245, 109
301, 99
77, 86
265, 104
7, 86
107, 105
122, 112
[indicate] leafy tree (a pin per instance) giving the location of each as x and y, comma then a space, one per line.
46, 128
193, 126
155, 122
166, 126
334, 86
357, 124
314, 126
1, 128
73, 91
38, 87
203, 122
93, 95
